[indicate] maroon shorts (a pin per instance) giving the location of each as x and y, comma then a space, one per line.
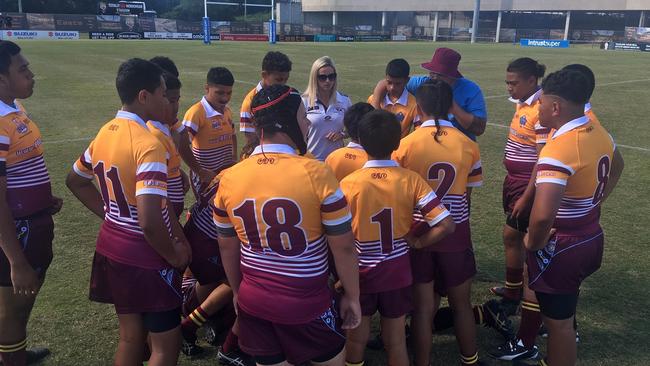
206, 260
561, 266
513, 189
35, 235
390, 304
298, 343
132, 289
445, 269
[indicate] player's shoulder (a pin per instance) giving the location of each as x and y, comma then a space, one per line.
195, 110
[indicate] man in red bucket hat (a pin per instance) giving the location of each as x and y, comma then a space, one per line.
469, 112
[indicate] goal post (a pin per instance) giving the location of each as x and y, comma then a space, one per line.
207, 24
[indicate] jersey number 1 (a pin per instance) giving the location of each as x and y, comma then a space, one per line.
114, 176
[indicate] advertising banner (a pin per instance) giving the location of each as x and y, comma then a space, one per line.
115, 35
303, 38
627, 46
547, 43
324, 38
30, 34
245, 37
167, 35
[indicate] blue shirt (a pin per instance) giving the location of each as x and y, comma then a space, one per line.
467, 94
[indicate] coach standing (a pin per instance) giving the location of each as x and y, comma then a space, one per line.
469, 112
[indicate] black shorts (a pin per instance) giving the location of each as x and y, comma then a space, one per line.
557, 306
520, 224
35, 235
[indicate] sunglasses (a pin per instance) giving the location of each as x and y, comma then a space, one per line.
331, 77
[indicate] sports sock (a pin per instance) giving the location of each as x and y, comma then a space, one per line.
347, 363
194, 321
531, 320
514, 283
480, 316
469, 360
231, 342
14, 354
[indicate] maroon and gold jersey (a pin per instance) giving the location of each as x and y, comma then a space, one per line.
346, 160
127, 161
578, 156
405, 108
382, 197
21, 163
281, 206
525, 134
450, 166
246, 113
162, 132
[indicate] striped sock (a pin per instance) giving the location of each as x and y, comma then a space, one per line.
193, 322
514, 283
14, 354
531, 320
479, 314
471, 360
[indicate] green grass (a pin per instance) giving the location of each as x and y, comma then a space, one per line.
75, 95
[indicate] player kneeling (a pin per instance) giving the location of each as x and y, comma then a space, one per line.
382, 197
278, 216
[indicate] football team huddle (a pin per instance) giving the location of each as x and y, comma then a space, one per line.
294, 242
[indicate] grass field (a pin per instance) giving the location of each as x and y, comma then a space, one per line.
75, 95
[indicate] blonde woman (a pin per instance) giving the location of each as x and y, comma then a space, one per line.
325, 109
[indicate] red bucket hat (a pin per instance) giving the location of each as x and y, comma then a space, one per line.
444, 61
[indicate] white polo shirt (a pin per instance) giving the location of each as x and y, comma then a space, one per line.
323, 121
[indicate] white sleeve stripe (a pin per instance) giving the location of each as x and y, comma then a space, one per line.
426, 199
87, 156
336, 196
561, 182
475, 184
223, 225
551, 161
80, 173
3, 159
4, 140
439, 218
476, 166
336, 222
151, 167
180, 128
191, 125
153, 191
245, 115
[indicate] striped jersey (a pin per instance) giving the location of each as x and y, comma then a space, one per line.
21, 163
405, 108
162, 132
212, 135
578, 156
450, 166
127, 161
281, 206
246, 112
346, 160
382, 197
525, 134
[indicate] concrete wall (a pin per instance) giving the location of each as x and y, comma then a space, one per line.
289, 12
468, 5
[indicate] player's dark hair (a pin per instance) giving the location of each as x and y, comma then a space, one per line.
379, 133
276, 62
7, 50
435, 98
398, 68
353, 116
166, 64
172, 82
274, 110
135, 75
586, 71
527, 67
570, 85
220, 76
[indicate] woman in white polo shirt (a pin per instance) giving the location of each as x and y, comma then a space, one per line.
325, 109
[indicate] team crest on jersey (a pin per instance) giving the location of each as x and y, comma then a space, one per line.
400, 116
216, 124
21, 127
522, 120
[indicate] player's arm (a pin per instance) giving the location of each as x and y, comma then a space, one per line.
347, 268
23, 277
525, 202
150, 219
235, 149
614, 174
437, 232
469, 121
548, 197
84, 189
379, 93
230, 258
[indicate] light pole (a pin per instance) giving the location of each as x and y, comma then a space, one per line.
477, 9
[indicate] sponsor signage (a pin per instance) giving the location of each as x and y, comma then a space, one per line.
325, 38
398, 37
35, 34
547, 43
371, 38
345, 38
168, 35
213, 37
627, 46
115, 35
303, 38
245, 37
